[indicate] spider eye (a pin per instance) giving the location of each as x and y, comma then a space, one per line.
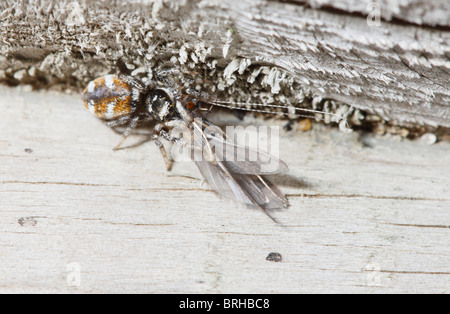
190, 105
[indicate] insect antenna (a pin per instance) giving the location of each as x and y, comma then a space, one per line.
254, 107
188, 80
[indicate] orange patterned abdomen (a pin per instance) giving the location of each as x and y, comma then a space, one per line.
108, 97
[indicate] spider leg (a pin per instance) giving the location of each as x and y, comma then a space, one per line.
120, 121
167, 160
162, 130
132, 124
157, 132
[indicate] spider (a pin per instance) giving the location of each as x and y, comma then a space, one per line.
124, 100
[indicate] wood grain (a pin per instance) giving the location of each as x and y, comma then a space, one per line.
368, 214
259, 51
421, 12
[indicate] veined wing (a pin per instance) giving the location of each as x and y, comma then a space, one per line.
237, 158
250, 189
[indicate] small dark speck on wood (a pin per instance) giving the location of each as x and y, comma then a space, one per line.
27, 221
274, 257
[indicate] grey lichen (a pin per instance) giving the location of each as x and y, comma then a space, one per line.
64, 44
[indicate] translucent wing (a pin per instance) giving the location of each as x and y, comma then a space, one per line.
248, 188
263, 191
246, 160
237, 158
221, 180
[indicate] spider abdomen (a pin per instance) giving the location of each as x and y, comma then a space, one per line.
111, 97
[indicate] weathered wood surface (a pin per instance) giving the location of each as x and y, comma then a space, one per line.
420, 12
257, 51
368, 214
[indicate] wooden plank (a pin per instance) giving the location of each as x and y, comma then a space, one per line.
368, 214
265, 51
421, 12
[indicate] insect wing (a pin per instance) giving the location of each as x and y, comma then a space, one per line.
246, 160
246, 188
237, 158
262, 191
251, 189
222, 182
